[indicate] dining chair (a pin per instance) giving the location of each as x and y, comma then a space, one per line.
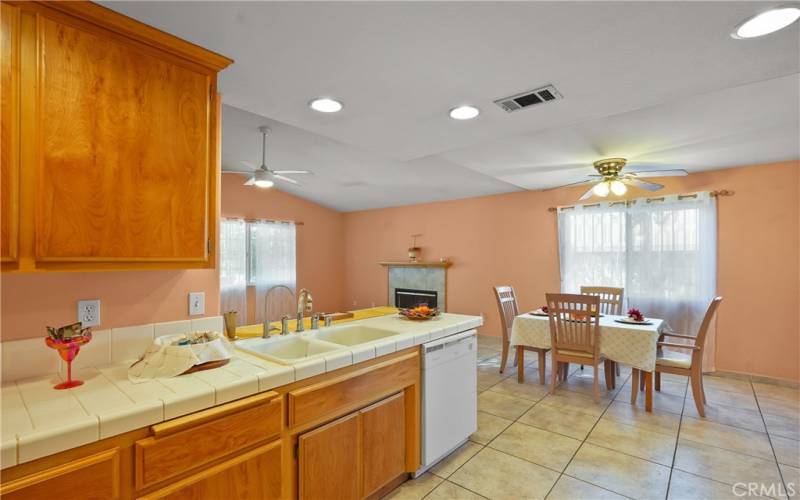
689, 365
575, 334
507, 303
610, 303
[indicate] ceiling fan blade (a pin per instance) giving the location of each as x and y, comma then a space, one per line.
292, 172
661, 173
650, 186
572, 184
249, 165
250, 181
587, 194
287, 179
242, 172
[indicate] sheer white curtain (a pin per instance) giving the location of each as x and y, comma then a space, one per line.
662, 251
591, 244
272, 260
233, 268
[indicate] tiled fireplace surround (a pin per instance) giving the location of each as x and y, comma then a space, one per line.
419, 278
31, 358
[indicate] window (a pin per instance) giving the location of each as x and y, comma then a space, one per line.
259, 254
662, 251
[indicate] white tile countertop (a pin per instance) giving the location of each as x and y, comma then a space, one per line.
38, 420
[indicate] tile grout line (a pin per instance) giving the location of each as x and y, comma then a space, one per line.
769, 437
677, 439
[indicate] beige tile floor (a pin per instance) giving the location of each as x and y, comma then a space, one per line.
531, 444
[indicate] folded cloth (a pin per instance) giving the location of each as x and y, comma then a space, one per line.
163, 359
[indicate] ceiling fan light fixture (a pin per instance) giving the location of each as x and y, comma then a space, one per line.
262, 180
618, 188
464, 113
326, 105
767, 22
601, 189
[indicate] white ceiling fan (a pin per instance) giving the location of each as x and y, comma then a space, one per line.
263, 176
609, 178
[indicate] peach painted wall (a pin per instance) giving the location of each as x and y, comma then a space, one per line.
320, 244
512, 239
32, 301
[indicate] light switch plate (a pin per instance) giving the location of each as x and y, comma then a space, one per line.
89, 312
197, 303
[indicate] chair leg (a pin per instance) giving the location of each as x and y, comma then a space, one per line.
504, 356
697, 393
607, 373
703, 388
596, 384
641, 382
542, 365
553, 375
520, 364
566, 372
658, 381
581, 367
616, 369
634, 385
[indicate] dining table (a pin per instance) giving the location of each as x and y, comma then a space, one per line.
635, 345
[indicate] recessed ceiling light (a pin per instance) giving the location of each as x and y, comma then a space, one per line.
325, 105
464, 113
767, 22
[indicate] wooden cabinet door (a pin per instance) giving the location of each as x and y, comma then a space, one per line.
9, 131
93, 477
252, 475
383, 442
124, 156
330, 461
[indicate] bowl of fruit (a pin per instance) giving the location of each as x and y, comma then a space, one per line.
420, 313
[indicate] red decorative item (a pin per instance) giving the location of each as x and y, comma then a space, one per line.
635, 314
68, 349
543, 309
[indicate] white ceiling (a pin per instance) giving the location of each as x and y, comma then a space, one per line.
656, 82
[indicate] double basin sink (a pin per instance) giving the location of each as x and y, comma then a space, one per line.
297, 347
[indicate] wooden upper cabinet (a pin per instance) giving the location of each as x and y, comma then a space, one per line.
120, 159
9, 132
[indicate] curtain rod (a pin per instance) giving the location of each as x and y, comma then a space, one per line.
721, 192
296, 223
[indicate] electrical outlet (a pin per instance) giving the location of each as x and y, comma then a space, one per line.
89, 312
197, 303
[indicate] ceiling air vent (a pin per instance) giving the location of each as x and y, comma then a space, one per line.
522, 101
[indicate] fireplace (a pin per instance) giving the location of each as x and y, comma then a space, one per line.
409, 297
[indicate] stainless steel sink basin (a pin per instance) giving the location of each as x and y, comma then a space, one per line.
352, 334
287, 350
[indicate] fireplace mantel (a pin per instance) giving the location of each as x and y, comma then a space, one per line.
416, 264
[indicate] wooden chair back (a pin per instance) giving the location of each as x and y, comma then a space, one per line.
574, 322
610, 298
700, 339
507, 304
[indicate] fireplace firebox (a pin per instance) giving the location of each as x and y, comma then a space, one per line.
408, 297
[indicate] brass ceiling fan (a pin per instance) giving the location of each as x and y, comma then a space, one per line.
610, 179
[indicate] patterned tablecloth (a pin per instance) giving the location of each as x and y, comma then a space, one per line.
633, 345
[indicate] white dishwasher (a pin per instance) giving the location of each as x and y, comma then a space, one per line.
449, 395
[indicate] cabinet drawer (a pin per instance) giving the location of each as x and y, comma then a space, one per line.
188, 442
71, 480
359, 387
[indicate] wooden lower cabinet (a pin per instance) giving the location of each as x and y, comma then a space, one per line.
383, 442
330, 460
252, 475
69, 480
356, 455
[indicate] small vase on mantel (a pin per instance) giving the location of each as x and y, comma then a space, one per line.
414, 254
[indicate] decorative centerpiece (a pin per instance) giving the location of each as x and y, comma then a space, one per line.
542, 311
420, 313
635, 317
68, 340
173, 355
